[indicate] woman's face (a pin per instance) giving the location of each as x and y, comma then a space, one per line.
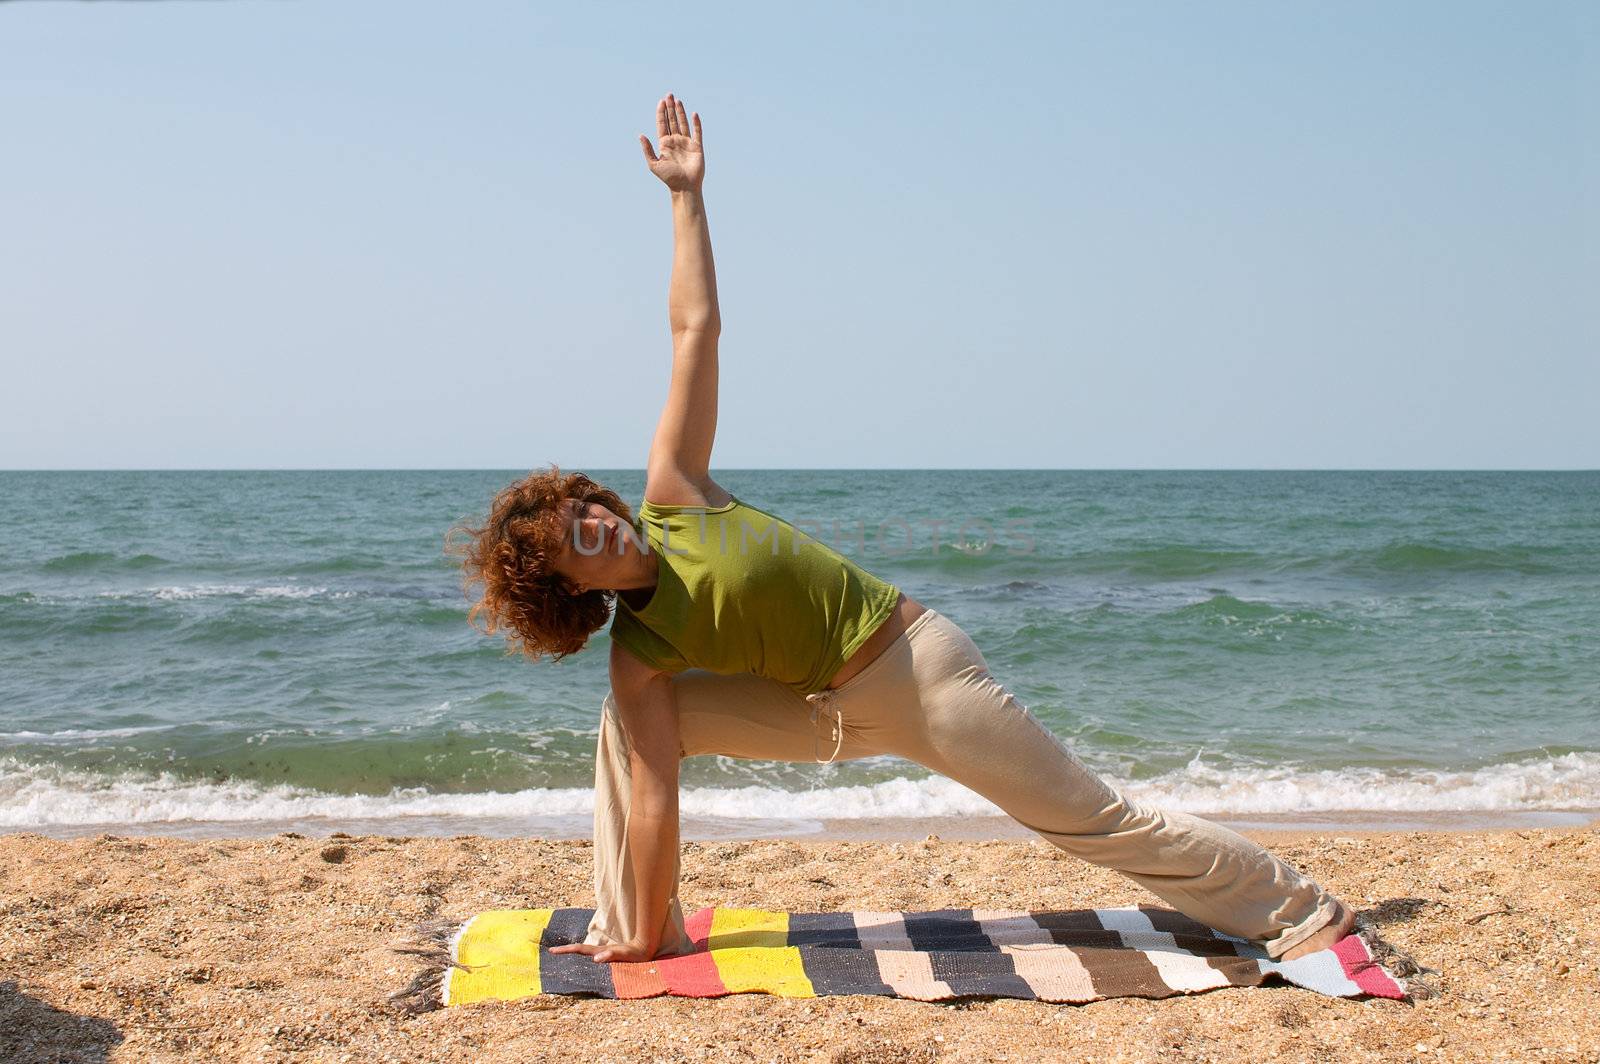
600, 551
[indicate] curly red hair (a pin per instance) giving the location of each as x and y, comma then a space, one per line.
512, 555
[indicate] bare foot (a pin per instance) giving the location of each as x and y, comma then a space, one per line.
1343, 922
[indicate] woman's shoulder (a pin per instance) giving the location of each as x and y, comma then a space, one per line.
665, 493
666, 509
675, 507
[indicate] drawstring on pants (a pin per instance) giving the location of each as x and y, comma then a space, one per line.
818, 700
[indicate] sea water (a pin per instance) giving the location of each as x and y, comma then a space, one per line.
236, 652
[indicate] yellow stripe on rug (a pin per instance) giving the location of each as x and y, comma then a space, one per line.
751, 952
498, 954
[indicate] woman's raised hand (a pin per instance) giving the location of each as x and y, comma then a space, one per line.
682, 163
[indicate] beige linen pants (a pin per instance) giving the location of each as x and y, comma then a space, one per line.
929, 698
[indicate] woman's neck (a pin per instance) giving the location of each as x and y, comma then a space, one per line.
638, 591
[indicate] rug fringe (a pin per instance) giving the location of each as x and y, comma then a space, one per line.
1404, 969
430, 944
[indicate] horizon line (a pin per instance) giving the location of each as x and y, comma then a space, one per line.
815, 469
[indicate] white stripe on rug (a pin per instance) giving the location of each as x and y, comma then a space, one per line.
1179, 968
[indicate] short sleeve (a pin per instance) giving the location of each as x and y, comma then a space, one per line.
643, 643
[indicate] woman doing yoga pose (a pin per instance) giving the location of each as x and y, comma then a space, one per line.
735, 634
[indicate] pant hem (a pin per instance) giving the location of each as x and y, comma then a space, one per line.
1291, 938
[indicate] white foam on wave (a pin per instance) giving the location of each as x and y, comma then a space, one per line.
187, 592
190, 593
70, 734
38, 796
1569, 781
42, 796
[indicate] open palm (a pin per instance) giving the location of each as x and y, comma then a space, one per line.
682, 163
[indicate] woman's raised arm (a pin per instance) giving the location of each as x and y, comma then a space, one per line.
680, 455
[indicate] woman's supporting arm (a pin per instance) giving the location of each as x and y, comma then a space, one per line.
680, 454
647, 711
650, 719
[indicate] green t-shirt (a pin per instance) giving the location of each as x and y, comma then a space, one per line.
740, 590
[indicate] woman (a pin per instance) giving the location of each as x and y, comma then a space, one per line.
734, 634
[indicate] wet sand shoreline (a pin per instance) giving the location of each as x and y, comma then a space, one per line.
886, 829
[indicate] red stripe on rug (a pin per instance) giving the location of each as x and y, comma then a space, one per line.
692, 975
698, 925
638, 979
1361, 970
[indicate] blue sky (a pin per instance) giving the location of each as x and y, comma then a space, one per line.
281, 235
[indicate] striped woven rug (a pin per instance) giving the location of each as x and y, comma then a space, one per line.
1075, 956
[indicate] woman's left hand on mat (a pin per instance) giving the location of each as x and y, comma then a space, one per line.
620, 951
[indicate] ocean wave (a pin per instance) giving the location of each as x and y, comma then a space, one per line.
1222, 604
342, 563
38, 796
92, 561
1182, 561
189, 592
1568, 781
1423, 557
74, 734
1007, 555
429, 606
1254, 613
1169, 562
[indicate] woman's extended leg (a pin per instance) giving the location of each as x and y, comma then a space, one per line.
955, 718
735, 716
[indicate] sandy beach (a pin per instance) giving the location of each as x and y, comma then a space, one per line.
283, 948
